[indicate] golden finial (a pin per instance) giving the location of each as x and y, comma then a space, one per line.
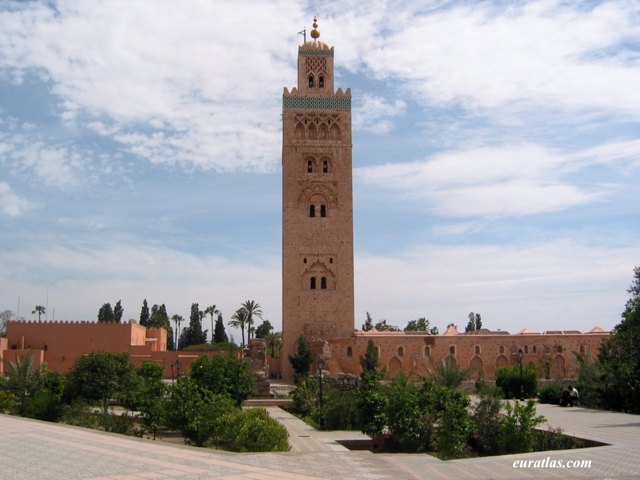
315, 33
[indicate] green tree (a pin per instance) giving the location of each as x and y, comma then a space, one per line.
224, 376
193, 334
213, 311
101, 376
144, 314
239, 320
219, 334
420, 325
253, 310
196, 412
368, 323
40, 310
434, 331
159, 317
263, 329
302, 360
23, 380
274, 342
118, 311
517, 428
150, 395
619, 357
448, 374
370, 361
105, 314
253, 430
475, 322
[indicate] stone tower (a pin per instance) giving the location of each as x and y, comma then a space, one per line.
317, 204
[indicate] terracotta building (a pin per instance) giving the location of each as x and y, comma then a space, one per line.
60, 344
317, 266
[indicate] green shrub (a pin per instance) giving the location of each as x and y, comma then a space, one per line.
486, 422
122, 424
508, 378
7, 401
305, 396
79, 414
453, 428
550, 393
517, 427
224, 376
341, 410
554, 439
253, 430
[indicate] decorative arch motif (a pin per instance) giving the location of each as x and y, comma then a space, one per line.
501, 362
394, 366
319, 277
477, 367
557, 367
317, 127
318, 193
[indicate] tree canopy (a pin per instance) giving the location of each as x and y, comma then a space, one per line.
302, 360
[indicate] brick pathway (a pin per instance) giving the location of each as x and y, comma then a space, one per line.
32, 450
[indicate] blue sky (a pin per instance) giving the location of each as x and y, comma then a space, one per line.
496, 155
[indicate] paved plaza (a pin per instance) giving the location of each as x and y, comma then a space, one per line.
33, 450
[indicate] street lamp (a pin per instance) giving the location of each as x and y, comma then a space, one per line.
520, 354
178, 367
320, 367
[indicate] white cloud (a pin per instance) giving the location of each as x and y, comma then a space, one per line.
10, 203
211, 101
373, 114
503, 181
81, 276
562, 284
544, 55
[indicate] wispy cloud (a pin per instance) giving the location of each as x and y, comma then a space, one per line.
502, 181
374, 114
10, 203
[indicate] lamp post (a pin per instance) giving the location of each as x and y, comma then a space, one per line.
178, 367
520, 354
320, 367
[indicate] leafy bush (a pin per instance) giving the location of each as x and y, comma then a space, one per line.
517, 427
79, 414
341, 410
372, 405
486, 422
7, 401
590, 382
508, 378
253, 430
224, 376
410, 426
554, 439
550, 393
305, 396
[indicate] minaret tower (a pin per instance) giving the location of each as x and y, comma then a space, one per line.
317, 204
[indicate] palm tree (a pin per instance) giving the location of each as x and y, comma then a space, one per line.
252, 308
23, 380
40, 310
178, 320
239, 320
274, 341
211, 310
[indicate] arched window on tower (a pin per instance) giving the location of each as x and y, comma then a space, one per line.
321, 81
312, 211
325, 167
323, 283
312, 283
309, 166
310, 81
323, 211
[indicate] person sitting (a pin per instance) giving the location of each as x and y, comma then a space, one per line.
566, 397
573, 396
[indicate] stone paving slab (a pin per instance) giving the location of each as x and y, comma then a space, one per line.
33, 450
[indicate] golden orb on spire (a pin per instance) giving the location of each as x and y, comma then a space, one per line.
315, 33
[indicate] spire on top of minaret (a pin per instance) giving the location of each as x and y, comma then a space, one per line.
315, 33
